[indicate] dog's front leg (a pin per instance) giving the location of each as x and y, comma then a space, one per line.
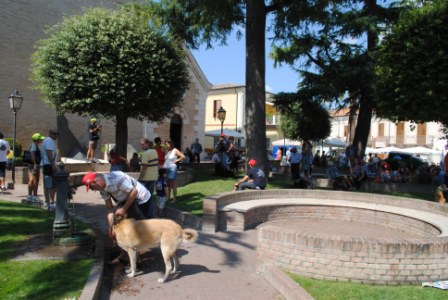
132, 252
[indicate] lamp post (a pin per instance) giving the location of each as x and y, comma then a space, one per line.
221, 117
15, 102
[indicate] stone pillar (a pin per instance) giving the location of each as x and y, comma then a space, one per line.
61, 225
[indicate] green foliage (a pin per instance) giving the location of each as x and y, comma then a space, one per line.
412, 72
17, 147
34, 279
334, 290
302, 119
331, 44
201, 21
110, 64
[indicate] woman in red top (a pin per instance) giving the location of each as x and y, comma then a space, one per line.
117, 162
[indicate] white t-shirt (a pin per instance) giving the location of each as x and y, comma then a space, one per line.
4, 153
170, 159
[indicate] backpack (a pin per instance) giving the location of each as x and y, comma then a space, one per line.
27, 157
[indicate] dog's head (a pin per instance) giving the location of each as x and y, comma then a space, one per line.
117, 219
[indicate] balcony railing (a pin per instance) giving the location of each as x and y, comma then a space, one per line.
403, 141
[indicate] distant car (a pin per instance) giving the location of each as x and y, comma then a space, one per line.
396, 159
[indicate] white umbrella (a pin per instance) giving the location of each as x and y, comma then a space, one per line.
227, 132
334, 142
420, 150
286, 142
385, 150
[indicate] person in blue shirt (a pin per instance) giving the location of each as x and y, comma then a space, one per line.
254, 179
162, 191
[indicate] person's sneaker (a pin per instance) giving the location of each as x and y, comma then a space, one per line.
3, 188
36, 199
29, 198
53, 205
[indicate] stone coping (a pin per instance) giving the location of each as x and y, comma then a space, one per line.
214, 204
437, 220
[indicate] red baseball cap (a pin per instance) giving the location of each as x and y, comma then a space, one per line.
87, 179
252, 162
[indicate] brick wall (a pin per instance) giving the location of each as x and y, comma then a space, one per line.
357, 260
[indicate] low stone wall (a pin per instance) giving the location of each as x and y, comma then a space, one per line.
390, 261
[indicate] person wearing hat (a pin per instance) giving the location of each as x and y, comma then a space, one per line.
93, 130
254, 179
34, 167
49, 159
122, 190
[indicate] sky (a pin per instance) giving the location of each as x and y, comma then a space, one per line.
226, 64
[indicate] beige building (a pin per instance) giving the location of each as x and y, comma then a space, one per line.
232, 98
384, 133
23, 23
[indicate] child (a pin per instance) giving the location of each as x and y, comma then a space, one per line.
162, 191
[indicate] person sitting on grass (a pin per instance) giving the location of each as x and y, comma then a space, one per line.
254, 179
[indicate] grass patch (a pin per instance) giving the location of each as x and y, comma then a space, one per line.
190, 196
35, 279
333, 290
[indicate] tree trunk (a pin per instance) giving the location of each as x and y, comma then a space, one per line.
121, 135
366, 102
255, 82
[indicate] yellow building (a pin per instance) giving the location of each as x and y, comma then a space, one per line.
232, 98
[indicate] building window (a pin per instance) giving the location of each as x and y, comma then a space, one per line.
216, 106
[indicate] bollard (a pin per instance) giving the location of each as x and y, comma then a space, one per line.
61, 225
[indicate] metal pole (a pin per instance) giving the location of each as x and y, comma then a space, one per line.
14, 148
222, 123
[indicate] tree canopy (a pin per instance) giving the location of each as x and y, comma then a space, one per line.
412, 72
332, 45
111, 64
302, 120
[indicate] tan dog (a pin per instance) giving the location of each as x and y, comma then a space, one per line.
133, 236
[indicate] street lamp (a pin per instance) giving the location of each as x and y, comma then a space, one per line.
221, 116
15, 102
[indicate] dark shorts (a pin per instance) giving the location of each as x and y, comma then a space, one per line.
2, 169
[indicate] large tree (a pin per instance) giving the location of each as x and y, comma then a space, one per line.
412, 73
110, 64
332, 46
205, 21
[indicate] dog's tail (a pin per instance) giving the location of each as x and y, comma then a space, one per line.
189, 235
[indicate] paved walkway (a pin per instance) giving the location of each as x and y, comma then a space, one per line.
219, 266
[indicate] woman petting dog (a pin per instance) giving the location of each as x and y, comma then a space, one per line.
128, 194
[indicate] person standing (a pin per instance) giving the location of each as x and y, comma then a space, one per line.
196, 150
161, 151
162, 191
148, 172
4, 151
93, 130
49, 156
172, 158
295, 158
34, 167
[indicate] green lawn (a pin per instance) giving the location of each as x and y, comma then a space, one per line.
34, 279
331, 290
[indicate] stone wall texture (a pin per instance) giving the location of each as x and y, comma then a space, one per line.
23, 24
